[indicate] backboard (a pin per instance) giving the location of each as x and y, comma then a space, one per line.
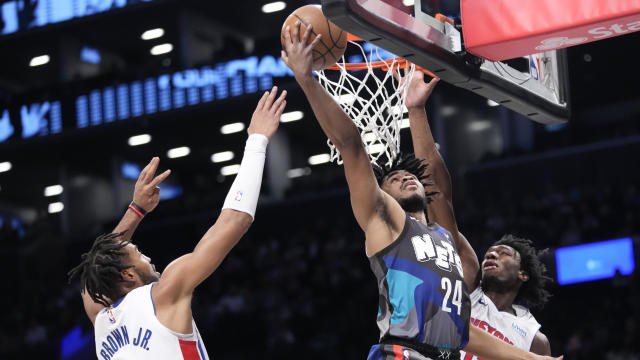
538, 91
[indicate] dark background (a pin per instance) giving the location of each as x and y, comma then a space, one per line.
298, 284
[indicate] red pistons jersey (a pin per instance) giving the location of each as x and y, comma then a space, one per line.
129, 329
518, 330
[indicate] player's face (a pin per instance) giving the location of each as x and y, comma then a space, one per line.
401, 184
502, 263
142, 265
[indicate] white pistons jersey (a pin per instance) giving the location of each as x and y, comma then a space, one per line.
130, 330
518, 330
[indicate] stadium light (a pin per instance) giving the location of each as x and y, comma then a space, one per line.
178, 152
298, 172
222, 156
53, 190
5, 166
139, 139
161, 49
319, 159
479, 125
152, 34
232, 128
291, 116
55, 207
273, 7
230, 170
39, 60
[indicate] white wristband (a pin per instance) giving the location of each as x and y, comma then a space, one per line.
243, 195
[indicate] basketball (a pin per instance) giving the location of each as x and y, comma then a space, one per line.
334, 40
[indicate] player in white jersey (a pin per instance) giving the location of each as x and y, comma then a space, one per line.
139, 313
511, 273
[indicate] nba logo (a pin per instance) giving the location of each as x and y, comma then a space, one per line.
238, 196
406, 354
112, 318
533, 69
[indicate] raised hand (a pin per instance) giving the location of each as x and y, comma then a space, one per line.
266, 117
297, 54
146, 193
419, 91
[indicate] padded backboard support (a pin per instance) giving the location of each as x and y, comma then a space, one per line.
400, 33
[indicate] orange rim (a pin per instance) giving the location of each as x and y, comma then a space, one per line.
351, 37
380, 64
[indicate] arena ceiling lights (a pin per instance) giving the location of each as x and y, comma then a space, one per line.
39, 60
53, 190
5, 166
232, 128
161, 49
152, 34
139, 140
222, 156
230, 170
273, 7
291, 116
178, 152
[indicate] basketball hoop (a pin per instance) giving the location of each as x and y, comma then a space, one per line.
373, 99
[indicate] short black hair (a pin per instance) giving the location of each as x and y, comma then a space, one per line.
410, 164
100, 268
532, 292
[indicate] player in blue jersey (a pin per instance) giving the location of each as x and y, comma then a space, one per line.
512, 274
423, 303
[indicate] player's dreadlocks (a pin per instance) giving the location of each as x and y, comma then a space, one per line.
411, 164
532, 292
100, 268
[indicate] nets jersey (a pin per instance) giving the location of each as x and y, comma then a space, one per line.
422, 296
130, 330
518, 330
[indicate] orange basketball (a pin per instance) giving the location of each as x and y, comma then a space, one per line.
334, 40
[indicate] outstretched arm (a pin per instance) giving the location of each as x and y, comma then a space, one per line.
367, 199
487, 346
180, 278
540, 344
440, 209
146, 196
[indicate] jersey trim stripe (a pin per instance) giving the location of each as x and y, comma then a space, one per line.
118, 302
397, 350
200, 350
152, 303
200, 344
189, 350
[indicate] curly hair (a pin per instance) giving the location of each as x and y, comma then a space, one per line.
532, 292
100, 268
408, 163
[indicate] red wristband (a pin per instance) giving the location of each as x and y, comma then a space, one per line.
137, 209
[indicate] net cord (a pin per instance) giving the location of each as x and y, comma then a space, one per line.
374, 101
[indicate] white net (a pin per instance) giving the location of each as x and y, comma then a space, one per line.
374, 100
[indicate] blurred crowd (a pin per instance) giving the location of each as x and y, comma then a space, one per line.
299, 285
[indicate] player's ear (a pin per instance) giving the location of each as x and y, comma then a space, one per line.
523, 276
128, 274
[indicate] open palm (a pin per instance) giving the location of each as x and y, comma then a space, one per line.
419, 91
